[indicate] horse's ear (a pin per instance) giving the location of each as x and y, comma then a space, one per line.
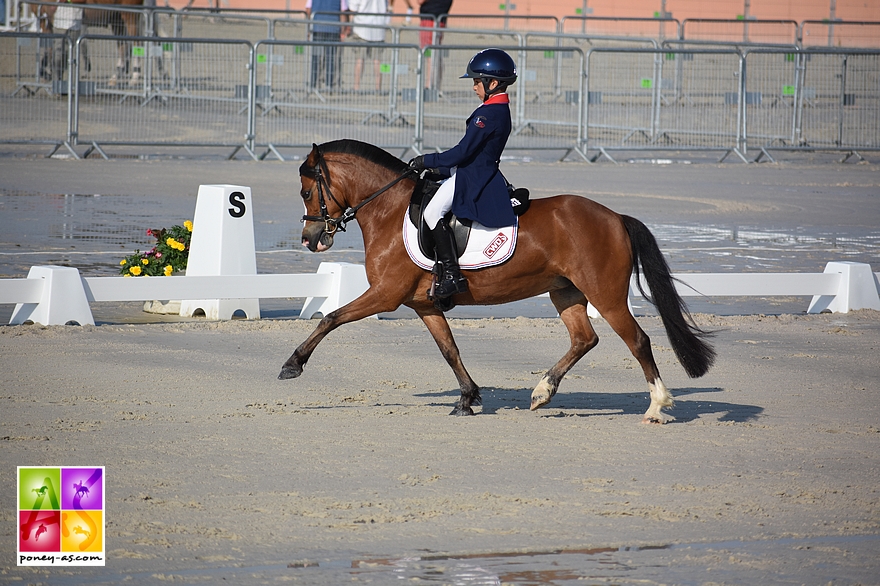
307, 169
312, 159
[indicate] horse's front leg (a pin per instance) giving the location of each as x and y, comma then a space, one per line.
436, 323
131, 21
293, 367
370, 303
135, 69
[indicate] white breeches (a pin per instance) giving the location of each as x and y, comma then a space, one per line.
441, 203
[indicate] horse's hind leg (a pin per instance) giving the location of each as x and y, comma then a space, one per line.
572, 307
622, 321
436, 323
123, 49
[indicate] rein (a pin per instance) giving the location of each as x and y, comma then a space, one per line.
332, 225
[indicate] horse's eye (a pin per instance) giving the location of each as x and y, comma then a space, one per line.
306, 193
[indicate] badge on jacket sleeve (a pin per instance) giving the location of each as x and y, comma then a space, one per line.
480, 122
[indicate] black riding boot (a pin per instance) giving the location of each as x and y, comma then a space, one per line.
450, 280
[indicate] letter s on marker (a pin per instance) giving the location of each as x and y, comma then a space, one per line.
236, 200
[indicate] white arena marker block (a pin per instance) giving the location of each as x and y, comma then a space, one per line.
222, 244
349, 283
63, 299
857, 289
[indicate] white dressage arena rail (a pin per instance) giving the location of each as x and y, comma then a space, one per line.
54, 295
222, 278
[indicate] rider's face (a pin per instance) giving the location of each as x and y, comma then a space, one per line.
480, 90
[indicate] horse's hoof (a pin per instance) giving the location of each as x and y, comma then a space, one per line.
541, 395
661, 419
459, 410
538, 403
290, 371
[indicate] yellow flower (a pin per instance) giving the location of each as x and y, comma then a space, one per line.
122, 262
135, 270
168, 270
126, 275
188, 225
175, 244
145, 261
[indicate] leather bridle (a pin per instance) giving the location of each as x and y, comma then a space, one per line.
332, 225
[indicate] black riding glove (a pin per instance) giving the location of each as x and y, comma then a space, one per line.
417, 163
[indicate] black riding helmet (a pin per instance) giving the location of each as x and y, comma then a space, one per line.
491, 64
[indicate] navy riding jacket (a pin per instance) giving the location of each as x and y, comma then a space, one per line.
480, 188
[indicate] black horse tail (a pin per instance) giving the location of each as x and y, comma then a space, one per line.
689, 341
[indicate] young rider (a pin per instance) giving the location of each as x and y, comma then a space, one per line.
475, 190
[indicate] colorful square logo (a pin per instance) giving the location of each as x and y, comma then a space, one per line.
61, 516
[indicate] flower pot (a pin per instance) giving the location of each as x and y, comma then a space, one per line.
163, 307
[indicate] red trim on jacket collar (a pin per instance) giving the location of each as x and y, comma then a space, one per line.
498, 99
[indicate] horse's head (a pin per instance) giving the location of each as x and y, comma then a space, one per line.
361, 173
321, 206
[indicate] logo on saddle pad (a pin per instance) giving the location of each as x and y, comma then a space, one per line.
495, 245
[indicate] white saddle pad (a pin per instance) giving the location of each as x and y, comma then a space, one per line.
486, 247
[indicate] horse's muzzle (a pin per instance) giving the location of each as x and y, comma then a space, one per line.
316, 239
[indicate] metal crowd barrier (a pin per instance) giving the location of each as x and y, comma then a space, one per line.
33, 109
100, 16
175, 23
587, 42
193, 92
748, 31
300, 96
396, 20
772, 79
584, 43
506, 22
290, 29
834, 103
279, 12
849, 34
610, 26
97, 91
649, 99
545, 115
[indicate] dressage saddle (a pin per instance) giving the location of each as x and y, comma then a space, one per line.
426, 187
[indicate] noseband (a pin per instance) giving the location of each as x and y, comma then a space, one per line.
332, 225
